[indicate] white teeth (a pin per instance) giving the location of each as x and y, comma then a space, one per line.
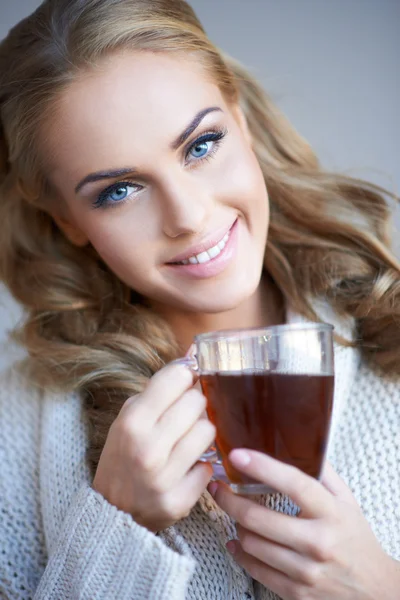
221, 245
204, 257
213, 252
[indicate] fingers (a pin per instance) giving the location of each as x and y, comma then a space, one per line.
277, 527
179, 419
166, 508
188, 491
166, 453
268, 576
308, 493
280, 558
188, 450
163, 389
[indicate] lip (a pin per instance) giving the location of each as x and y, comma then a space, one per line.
214, 266
208, 243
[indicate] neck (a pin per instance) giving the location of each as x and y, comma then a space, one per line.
264, 308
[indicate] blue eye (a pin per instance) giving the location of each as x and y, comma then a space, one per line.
199, 150
205, 146
116, 194
119, 193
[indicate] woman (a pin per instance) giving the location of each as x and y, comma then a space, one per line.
151, 191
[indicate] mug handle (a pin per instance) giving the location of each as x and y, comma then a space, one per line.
211, 454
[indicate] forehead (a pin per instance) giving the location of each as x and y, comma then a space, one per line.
130, 98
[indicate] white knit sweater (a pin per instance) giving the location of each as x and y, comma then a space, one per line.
61, 540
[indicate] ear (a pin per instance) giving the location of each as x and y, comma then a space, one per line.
71, 231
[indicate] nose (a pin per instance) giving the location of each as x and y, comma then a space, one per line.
186, 206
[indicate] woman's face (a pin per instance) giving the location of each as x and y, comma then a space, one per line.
157, 172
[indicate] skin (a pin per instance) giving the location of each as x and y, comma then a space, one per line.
328, 552
182, 199
115, 117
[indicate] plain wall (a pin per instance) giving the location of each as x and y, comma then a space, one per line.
332, 67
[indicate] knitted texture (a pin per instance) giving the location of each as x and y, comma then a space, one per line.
59, 539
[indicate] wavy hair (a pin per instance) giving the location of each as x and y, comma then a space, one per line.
87, 332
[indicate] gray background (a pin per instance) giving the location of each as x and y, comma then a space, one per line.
333, 68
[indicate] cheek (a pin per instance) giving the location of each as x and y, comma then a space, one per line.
127, 249
241, 184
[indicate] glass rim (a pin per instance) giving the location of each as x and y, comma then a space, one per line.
253, 332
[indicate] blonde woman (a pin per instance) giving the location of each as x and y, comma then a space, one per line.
151, 191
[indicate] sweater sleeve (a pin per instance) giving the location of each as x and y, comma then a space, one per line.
102, 553
96, 551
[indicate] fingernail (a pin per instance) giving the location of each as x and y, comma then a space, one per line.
231, 547
186, 361
239, 458
212, 488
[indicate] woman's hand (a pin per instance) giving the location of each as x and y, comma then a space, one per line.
328, 552
148, 464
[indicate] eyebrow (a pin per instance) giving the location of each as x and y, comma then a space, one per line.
181, 139
100, 175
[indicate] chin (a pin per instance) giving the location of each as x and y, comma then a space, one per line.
224, 300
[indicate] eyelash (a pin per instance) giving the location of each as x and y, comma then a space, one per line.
215, 135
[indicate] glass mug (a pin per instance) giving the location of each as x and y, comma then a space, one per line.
268, 389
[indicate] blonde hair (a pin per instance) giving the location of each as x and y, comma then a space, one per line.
85, 330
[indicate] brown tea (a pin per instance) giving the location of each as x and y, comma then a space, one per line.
286, 416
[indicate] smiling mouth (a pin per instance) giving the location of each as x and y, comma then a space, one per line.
207, 255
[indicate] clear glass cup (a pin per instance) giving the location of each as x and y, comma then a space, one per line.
268, 389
